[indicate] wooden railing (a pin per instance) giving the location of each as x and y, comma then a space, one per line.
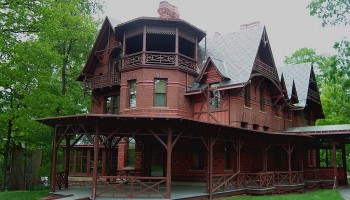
284, 177
61, 180
105, 80
224, 182
132, 187
158, 58
256, 180
265, 69
319, 174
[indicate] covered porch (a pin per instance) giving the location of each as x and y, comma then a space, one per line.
219, 166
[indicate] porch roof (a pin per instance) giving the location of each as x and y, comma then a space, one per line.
109, 122
341, 129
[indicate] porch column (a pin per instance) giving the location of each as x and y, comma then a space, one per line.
54, 162
67, 158
144, 45
343, 155
168, 164
177, 46
95, 172
335, 165
265, 149
211, 146
289, 151
289, 163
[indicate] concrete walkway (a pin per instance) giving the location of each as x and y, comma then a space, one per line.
344, 192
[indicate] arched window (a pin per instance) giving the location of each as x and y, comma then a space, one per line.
115, 61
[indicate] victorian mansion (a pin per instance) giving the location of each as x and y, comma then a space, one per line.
175, 115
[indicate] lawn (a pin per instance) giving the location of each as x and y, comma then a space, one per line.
20, 195
314, 195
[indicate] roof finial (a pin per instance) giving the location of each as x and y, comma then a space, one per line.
166, 10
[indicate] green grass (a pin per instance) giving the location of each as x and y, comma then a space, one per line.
26, 195
314, 195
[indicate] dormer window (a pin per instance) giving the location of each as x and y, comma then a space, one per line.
215, 96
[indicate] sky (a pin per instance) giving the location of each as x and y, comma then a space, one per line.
288, 23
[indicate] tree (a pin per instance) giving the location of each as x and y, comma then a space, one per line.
43, 46
332, 12
303, 55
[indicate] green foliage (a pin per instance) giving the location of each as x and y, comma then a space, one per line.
43, 47
303, 55
332, 12
20, 195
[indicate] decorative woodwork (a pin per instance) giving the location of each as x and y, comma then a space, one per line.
266, 70
105, 80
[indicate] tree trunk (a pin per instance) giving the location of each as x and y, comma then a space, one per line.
6, 154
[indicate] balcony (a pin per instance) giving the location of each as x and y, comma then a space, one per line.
265, 69
101, 81
153, 58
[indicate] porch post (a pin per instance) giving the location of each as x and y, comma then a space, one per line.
168, 164
211, 145
95, 175
67, 158
54, 162
290, 163
177, 46
265, 149
343, 155
335, 165
144, 45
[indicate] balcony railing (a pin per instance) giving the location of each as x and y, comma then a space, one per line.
265, 69
159, 58
101, 81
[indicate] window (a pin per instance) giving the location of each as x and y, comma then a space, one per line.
160, 86
215, 96
262, 99
131, 152
132, 93
228, 154
247, 96
197, 154
112, 105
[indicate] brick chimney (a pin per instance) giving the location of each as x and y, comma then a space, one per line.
166, 10
250, 25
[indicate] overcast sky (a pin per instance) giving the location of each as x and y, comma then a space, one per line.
288, 23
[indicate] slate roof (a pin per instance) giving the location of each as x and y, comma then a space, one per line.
234, 54
300, 73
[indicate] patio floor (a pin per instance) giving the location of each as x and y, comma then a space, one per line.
177, 192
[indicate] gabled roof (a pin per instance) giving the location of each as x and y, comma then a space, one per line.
109, 23
290, 86
300, 73
237, 50
220, 65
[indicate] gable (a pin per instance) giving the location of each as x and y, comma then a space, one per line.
94, 59
214, 70
238, 50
